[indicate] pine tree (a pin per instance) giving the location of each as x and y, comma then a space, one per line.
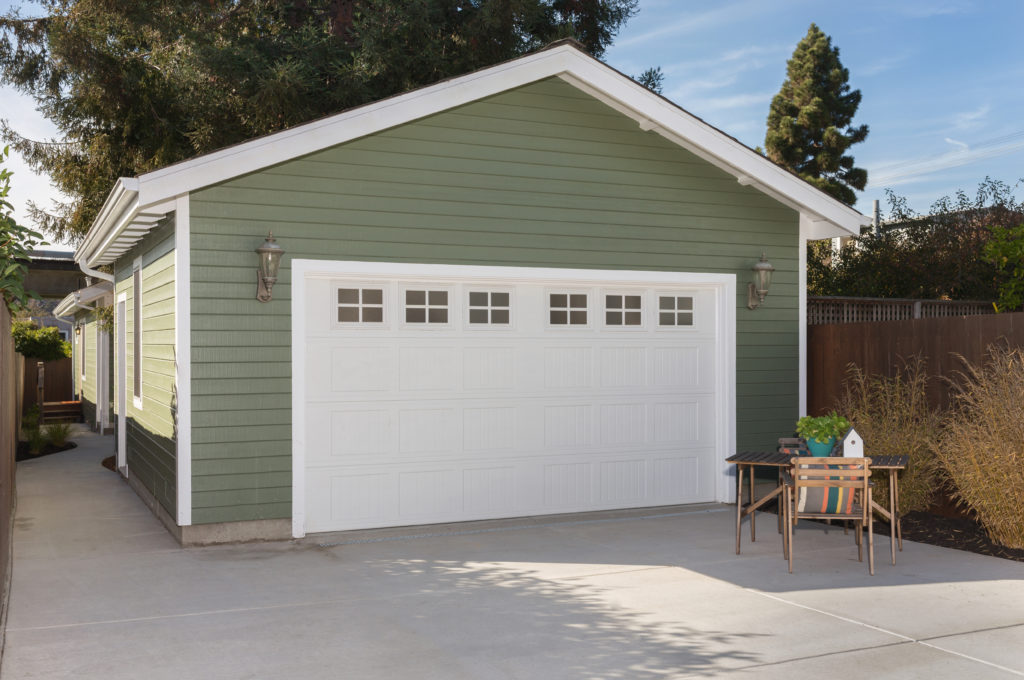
134, 86
810, 123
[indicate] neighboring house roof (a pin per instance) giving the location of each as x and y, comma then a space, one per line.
82, 297
135, 205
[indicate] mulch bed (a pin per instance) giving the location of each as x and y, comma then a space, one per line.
946, 526
23, 453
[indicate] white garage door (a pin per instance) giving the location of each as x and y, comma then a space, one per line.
476, 393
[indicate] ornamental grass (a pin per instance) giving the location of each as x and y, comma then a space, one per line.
893, 417
981, 447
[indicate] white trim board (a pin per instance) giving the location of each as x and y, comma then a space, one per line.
183, 357
723, 285
136, 204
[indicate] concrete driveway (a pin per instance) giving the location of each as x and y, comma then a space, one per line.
101, 591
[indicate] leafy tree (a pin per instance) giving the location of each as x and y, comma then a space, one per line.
810, 122
134, 86
942, 255
1006, 252
15, 244
42, 344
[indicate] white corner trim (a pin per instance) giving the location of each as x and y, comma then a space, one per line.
299, 269
121, 380
137, 399
801, 245
183, 357
723, 285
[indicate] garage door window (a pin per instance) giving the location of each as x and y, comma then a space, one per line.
568, 309
622, 310
675, 310
490, 308
426, 306
360, 305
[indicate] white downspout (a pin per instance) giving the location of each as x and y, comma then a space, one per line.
98, 274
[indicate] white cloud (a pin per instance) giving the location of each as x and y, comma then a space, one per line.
969, 119
933, 8
699, 22
736, 101
882, 65
961, 145
916, 169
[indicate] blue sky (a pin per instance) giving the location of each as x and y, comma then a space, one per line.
941, 82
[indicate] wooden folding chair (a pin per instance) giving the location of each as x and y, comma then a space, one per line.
829, 488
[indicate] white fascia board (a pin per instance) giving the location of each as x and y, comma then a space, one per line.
651, 111
82, 297
65, 306
654, 113
365, 120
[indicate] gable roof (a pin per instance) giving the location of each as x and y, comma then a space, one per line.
135, 205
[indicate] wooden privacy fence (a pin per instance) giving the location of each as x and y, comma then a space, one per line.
58, 384
826, 310
10, 416
880, 348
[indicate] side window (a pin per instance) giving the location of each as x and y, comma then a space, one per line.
492, 308
675, 310
623, 310
360, 305
426, 306
567, 309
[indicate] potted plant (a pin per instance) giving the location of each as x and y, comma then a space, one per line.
821, 432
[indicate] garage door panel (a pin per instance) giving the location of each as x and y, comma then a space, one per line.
416, 424
354, 432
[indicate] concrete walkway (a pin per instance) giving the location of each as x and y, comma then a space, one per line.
100, 590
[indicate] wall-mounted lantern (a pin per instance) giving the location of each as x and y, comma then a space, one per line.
270, 261
762, 280
78, 329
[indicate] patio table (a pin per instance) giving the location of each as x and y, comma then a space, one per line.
748, 460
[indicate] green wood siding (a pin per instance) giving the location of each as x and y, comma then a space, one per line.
151, 435
540, 176
86, 386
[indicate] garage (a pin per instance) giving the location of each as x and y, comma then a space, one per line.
445, 393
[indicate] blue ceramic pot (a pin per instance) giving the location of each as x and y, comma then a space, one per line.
821, 449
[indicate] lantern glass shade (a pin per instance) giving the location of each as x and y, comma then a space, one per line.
270, 258
763, 276
270, 262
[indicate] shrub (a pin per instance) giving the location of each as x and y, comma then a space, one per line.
893, 417
33, 342
982, 444
30, 421
58, 433
36, 441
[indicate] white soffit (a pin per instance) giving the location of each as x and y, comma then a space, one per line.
135, 205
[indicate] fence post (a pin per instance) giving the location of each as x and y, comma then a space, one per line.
917, 309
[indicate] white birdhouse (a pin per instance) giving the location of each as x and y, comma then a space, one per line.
853, 445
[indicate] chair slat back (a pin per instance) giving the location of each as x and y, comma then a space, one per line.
831, 472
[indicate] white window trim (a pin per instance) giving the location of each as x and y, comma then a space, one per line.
428, 288
386, 303
722, 288
589, 292
137, 400
489, 326
645, 305
695, 327
81, 348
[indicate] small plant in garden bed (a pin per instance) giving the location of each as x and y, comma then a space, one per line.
58, 433
822, 428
